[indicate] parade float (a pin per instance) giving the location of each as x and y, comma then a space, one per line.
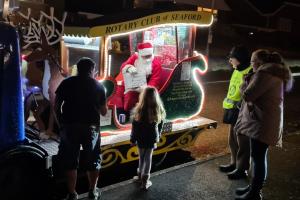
172, 35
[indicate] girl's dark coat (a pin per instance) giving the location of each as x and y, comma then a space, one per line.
145, 134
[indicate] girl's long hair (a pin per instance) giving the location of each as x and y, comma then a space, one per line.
149, 113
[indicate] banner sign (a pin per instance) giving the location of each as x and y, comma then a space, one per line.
199, 18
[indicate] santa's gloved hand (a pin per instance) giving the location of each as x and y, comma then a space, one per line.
129, 69
132, 70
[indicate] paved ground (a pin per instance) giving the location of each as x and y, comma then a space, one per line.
198, 181
202, 180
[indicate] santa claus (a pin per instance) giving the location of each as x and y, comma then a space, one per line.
142, 62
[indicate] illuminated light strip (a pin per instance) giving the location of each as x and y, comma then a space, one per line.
75, 37
167, 24
106, 56
205, 63
82, 46
191, 123
5, 9
109, 64
117, 132
295, 74
115, 138
94, 31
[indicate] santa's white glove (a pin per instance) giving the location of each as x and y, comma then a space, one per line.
132, 70
129, 69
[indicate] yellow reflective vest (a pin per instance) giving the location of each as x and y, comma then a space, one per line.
234, 95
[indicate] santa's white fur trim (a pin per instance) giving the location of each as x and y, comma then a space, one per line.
146, 51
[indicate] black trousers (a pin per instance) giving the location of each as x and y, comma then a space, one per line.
259, 152
240, 149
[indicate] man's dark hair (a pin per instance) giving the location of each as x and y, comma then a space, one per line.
85, 66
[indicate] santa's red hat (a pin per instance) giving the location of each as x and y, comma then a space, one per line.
145, 49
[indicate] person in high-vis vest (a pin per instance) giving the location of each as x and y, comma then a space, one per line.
239, 58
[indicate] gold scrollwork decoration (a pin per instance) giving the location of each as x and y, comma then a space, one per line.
110, 157
113, 154
132, 154
183, 141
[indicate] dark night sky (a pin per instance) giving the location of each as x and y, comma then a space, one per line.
268, 6
94, 6
113, 6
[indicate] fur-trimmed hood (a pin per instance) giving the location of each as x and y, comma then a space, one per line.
281, 71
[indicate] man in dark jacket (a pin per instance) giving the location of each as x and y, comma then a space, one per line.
79, 102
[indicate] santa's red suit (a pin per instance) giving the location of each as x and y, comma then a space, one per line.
143, 60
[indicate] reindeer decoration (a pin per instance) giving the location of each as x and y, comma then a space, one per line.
41, 38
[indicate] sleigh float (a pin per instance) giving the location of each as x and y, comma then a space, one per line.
109, 41
173, 37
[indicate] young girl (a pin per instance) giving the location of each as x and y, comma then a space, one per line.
148, 117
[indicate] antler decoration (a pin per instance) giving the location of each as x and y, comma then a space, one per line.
41, 34
48, 25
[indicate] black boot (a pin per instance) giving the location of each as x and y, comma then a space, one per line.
243, 190
237, 174
252, 194
227, 168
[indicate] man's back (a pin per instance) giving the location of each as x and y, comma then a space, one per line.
82, 98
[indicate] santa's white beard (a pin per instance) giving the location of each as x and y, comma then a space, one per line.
144, 65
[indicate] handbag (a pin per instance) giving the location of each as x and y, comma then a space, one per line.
230, 116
